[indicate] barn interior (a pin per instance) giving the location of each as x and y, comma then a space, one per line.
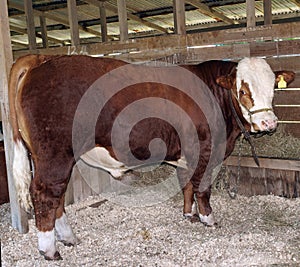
169, 32
164, 31
98, 21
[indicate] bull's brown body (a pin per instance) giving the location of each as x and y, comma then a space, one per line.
43, 109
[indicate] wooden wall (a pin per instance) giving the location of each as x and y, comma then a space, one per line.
275, 176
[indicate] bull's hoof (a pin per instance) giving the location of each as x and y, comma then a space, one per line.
192, 218
56, 256
207, 220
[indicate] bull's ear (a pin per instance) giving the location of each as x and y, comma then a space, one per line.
288, 76
226, 81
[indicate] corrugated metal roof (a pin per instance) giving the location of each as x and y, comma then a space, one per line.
158, 12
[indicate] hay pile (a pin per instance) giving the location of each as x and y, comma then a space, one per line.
278, 145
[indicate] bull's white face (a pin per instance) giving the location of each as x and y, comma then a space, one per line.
255, 90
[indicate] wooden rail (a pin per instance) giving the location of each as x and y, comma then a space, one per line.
276, 164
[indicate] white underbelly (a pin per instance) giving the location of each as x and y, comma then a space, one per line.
99, 157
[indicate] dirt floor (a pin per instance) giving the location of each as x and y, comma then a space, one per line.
251, 231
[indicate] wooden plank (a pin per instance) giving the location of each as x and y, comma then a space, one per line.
297, 180
291, 128
266, 49
264, 181
50, 15
43, 25
18, 215
103, 23
267, 12
204, 9
123, 24
281, 183
131, 16
4, 195
287, 63
250, 181
73, 21
250, 10
22, 31
173, 44
287, 97
277, 164
179, 16
287, 113
30, 24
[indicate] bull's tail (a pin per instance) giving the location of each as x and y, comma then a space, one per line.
21, 163
22, 174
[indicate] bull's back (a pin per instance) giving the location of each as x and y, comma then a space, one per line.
51, 93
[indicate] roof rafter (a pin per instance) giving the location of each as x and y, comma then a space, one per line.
53, 17
297, 2
131, 16
210, 12
22, 31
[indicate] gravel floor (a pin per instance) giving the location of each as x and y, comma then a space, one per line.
255, 231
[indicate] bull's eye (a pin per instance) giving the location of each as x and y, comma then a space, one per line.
242, 92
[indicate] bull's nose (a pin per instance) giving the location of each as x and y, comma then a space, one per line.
269, 125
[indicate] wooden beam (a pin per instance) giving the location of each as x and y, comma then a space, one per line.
277, 164
22, 31
179, 16
18, 215
185, 43
30, 24
123, 24
267, 12
131, 16
43, 26
102, 11
250, 10
73, 21
204, 9
18, 43
48, 15
297, 2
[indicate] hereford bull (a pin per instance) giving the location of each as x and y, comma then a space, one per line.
54, 125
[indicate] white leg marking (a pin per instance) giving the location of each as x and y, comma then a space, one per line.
207, 219
46, 241
22, 174
64, 231
194, 211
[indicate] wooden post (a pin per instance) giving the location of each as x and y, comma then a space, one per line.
122, 13
179, 16
250, 10
103, 22
18, 215
30, 24
268, 12
73, 20
43, 26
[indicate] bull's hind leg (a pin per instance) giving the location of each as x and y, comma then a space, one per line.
47, 190
63, 229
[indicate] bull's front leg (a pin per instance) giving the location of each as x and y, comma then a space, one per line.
196, 204
205, 211
189, 206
